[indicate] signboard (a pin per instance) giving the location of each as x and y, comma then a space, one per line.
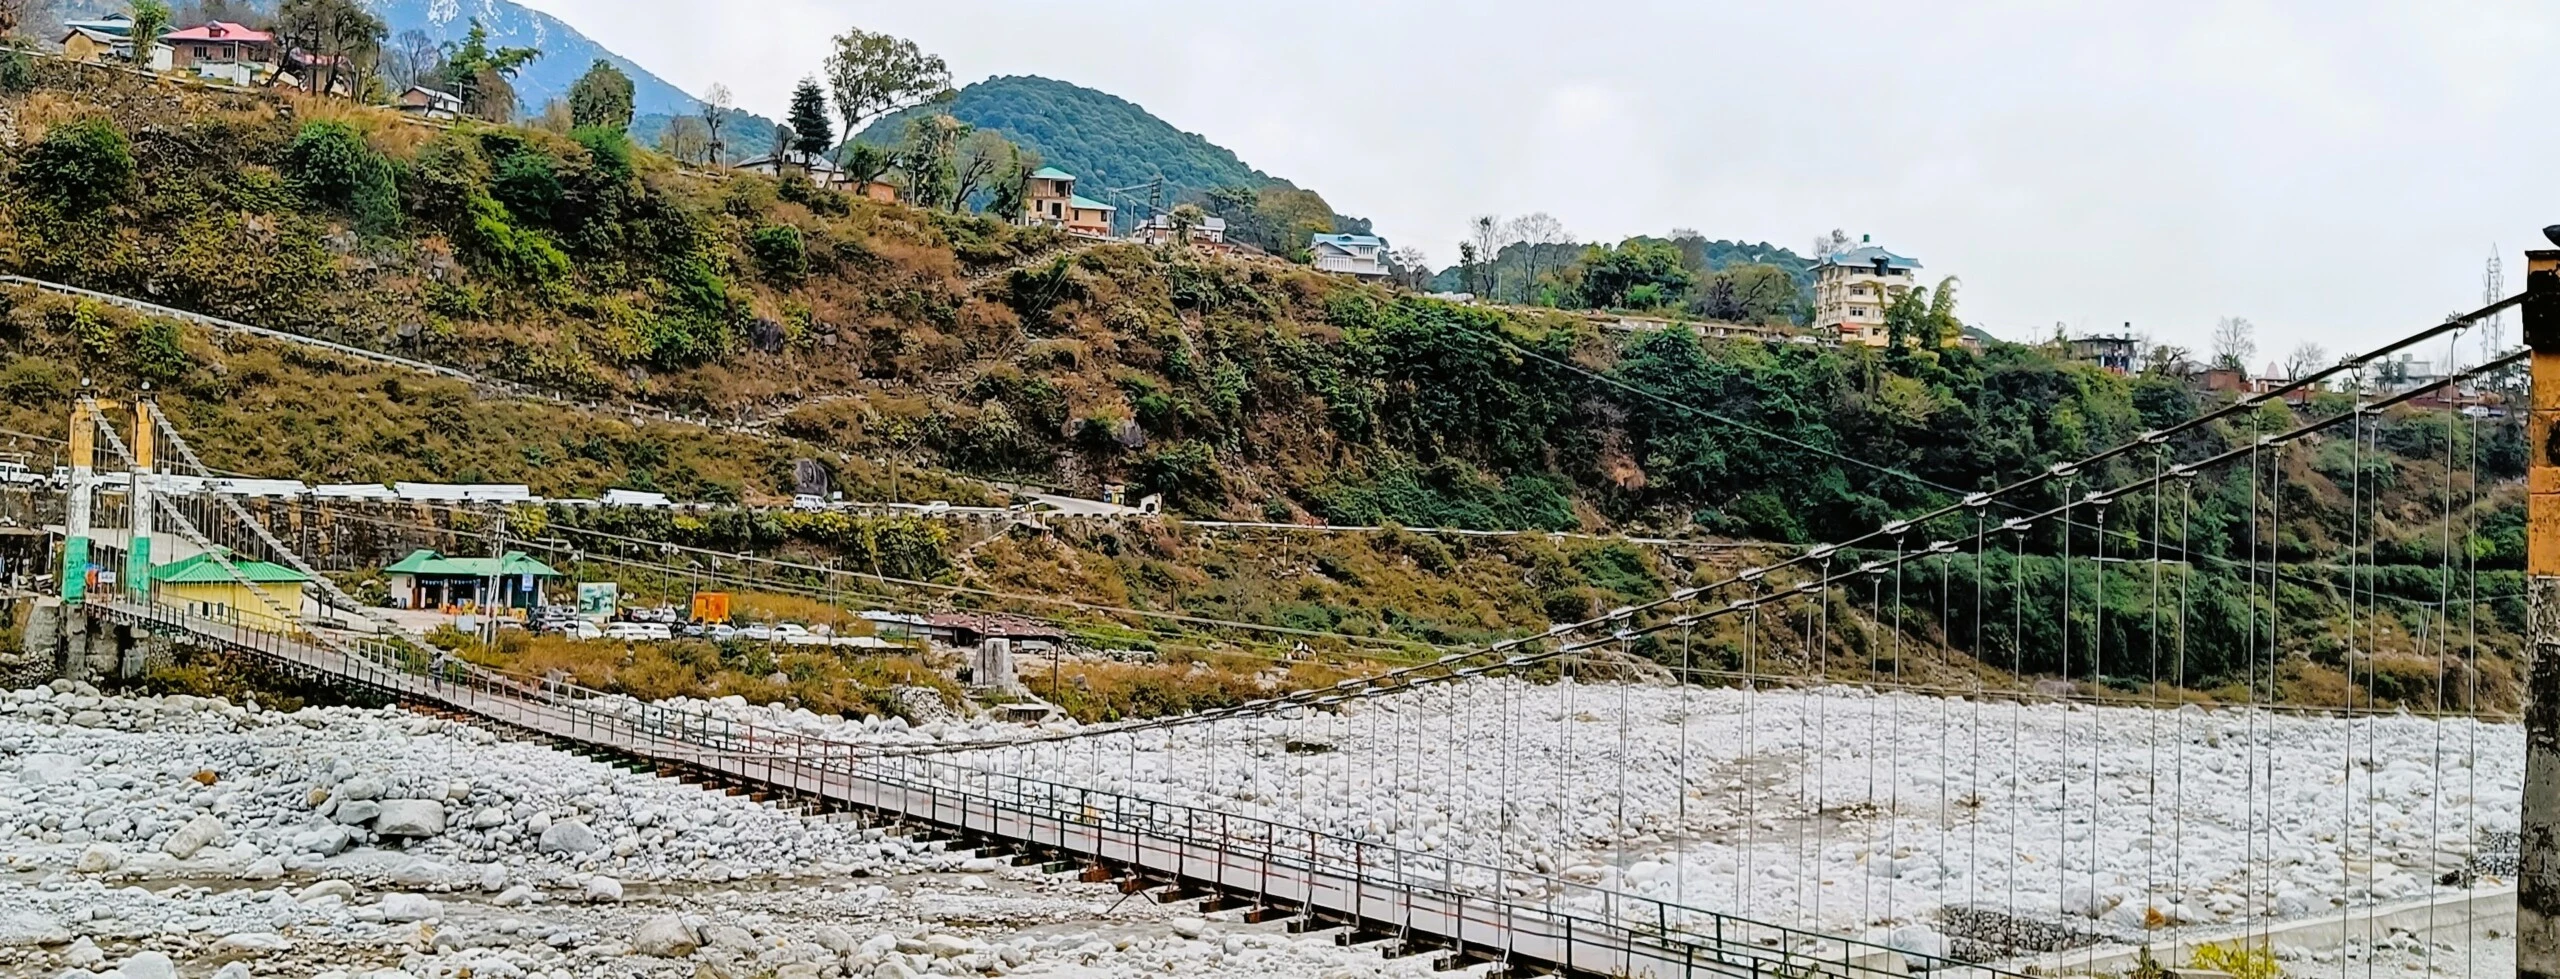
711, 606
596, 599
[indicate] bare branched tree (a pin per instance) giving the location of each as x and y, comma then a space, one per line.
1533, 230
2235, 340
2305, 358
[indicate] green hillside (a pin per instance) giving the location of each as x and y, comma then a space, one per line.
1107, 141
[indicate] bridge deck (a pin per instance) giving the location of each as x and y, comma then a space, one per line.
1299, 871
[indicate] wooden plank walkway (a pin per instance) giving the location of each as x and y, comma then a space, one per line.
1323, 881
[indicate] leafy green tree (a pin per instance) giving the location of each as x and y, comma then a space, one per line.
1750, 293
876, 74
925, 158
601, 98
82, 165
865, 163
1010, 189
1612, 277
812, 133
150, 19
483, 77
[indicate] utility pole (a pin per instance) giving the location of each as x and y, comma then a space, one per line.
2493, 287
2538, 885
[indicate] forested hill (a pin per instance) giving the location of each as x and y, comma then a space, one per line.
1105, 140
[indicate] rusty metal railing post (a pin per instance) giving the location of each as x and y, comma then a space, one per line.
2538, 886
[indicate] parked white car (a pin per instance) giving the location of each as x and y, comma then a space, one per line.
627, 631
583, 630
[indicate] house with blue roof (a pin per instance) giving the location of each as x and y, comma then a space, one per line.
1852, 287
1361, 255
1051, 200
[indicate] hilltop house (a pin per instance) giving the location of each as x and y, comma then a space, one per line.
225, 51
1158, 230
202, 586
1051, 200
1361, 255
1851, 289
83, 41
428, 103
426, 579
816, 168
115, 23
819, 171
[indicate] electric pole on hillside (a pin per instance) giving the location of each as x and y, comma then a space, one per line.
2493, 287
2538, 845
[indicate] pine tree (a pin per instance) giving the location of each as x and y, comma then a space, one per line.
813, 133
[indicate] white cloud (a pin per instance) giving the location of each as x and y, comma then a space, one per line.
2332, 170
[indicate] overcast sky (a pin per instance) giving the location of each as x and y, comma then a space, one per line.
2335, 171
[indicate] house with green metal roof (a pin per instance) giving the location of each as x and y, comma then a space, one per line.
218, 586
426, 579
1051, 199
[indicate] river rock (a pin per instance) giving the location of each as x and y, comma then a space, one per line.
84, 954
21, 928
1189, 927
601, 889
361, 788
328, 888
404, 907
517, 896
251, 943
193, 837
46, 768
411, 818
356, 812
572, 838
327, 841
665, 936
99, 858
268, 867
147, 965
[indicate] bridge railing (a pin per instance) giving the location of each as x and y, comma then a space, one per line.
1205, 844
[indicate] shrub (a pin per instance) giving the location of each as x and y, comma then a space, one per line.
17, 73
81, 165
798, 190
330, 165
608, 149
779, 253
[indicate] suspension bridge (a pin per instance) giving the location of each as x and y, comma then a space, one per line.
1859, 773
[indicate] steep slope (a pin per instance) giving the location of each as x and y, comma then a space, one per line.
1235, 388
1106, 141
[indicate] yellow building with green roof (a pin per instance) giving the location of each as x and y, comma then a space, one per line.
270, 598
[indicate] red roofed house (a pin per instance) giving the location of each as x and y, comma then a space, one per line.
211, 48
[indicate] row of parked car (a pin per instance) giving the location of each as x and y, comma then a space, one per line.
664, 625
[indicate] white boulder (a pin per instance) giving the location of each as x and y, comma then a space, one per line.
193, 837
572, 838
99, 858
665, 936
410, 818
